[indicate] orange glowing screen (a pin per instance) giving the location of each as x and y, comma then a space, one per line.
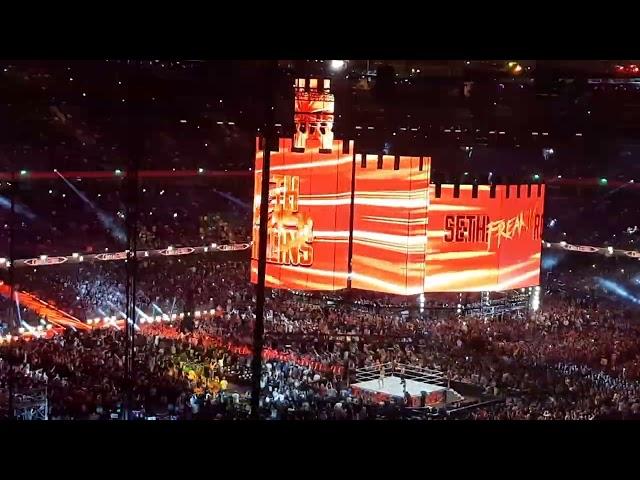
488, 243
407, 236
390, 222
309, 212
313, 117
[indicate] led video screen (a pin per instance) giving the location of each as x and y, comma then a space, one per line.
309, 217
390, 223
488, 243
314, 113
374, 222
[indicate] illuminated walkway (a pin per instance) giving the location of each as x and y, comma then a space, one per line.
43, 309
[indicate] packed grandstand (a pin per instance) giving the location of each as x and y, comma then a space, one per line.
573, 357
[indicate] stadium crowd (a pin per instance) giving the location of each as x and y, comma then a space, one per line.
577, 358
580, 217
193, 214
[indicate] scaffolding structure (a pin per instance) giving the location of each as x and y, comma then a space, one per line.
512, 302
31, 404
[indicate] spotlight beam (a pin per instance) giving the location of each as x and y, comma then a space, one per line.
107, 222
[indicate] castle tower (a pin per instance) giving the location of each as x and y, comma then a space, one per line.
340, 219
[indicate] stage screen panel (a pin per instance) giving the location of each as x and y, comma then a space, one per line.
488, 243
313, 113
390, 223
518, 233
309, 213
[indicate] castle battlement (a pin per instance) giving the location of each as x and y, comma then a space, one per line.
488, 192
285, 145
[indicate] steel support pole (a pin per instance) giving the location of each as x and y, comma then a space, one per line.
258, 329
137, 134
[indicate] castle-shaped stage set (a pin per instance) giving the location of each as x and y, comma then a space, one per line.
340, 218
